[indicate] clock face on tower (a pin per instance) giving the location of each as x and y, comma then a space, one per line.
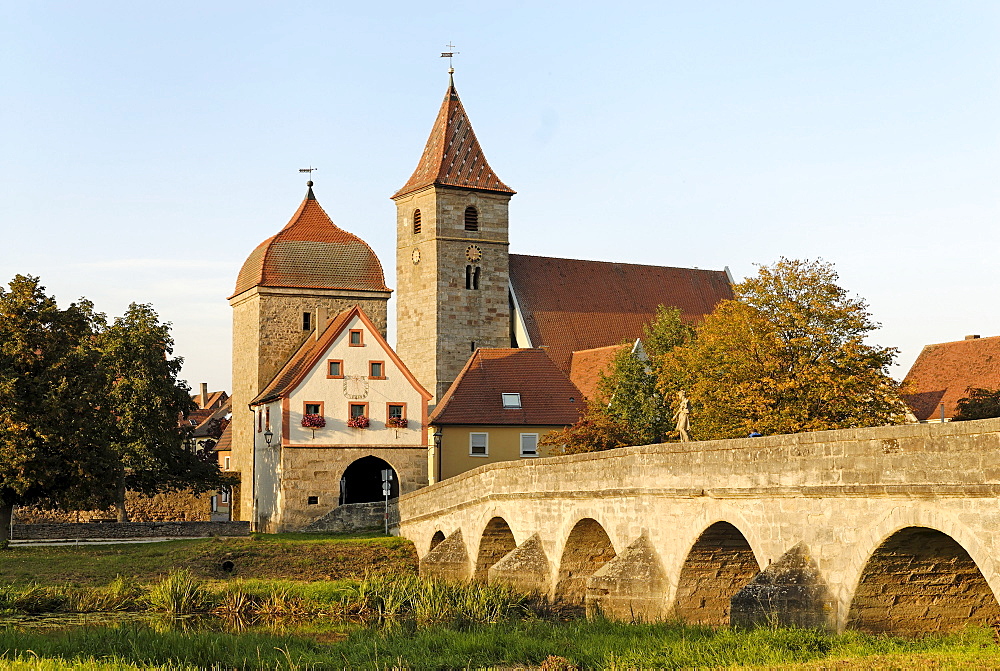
415, 256
473, 253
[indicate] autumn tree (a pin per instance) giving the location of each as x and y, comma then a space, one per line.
979, 404
54, 420
146, 399
628, 408
788, 354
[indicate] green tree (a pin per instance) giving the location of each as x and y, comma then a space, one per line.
628, 408
787, 355
147, 399
54, 420
979, 404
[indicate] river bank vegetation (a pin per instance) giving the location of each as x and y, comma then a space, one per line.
195, 617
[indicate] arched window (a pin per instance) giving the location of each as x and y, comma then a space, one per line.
468, 277
416, 221
471, 218
475, 278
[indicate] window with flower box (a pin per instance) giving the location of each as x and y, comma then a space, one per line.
395, 415
357, 415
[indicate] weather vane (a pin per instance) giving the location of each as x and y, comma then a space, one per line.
448, 55
310, 170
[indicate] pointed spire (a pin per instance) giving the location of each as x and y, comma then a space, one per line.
452, 156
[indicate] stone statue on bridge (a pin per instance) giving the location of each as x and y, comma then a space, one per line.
683, 417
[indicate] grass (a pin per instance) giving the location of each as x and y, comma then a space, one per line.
284, 556
595, 644
301, 602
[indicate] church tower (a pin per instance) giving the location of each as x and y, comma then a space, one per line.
287, 287
451, 253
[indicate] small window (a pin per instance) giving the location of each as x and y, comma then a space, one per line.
335, 368
471, 218
225, 494
479, 444
529, 444
468, 277
260, 420
475, 278
267, 417
356, 338
416, 221
376, 370
225, 467
313, 500
313, 408
396, 411
193, 422
307, 321
512, 401
472, 346
359, 410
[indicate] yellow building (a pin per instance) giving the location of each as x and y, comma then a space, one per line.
498, 409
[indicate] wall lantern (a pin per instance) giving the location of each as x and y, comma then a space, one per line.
268, 436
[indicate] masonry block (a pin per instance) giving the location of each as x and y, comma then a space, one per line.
448, 560
632, 586
525, 568
789, 592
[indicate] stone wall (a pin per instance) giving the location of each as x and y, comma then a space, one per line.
114, 530
711, 516
357, 517
183, 506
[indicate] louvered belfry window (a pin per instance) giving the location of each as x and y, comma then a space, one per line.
416, 221
471, 218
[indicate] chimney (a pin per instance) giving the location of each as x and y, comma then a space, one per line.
204, 395
322, 315
971, 337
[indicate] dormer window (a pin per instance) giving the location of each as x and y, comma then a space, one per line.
511, 401
471, 218
416, 221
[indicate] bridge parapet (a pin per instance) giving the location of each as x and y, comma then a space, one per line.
837, 494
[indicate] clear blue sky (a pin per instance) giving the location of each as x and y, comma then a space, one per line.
149, 147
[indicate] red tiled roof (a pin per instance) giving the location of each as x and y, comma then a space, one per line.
452, 156
587, 365
546, 392
311, 252
570, 305
225, 440
943, 373
214, 397
310, 352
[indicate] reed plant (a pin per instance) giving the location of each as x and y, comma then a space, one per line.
180, 593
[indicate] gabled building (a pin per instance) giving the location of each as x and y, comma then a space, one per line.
944, 373
499, 407
343, 409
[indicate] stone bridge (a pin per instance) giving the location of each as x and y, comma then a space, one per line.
881, 529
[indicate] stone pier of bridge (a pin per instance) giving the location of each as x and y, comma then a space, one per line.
887, 529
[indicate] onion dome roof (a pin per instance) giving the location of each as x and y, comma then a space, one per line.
311, 252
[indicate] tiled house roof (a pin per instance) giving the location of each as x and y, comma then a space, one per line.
311, 352
571, 305
311, 252
452, 156
943, 373
225, 440
587, 365
548, 398
307, 356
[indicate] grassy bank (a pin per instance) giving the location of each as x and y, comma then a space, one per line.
281, 556
597, 645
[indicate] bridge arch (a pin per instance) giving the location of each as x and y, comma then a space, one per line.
885, 537
436, 539
718, 564
586, 549
496, 540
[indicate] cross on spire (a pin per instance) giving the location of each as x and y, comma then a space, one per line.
449, 55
